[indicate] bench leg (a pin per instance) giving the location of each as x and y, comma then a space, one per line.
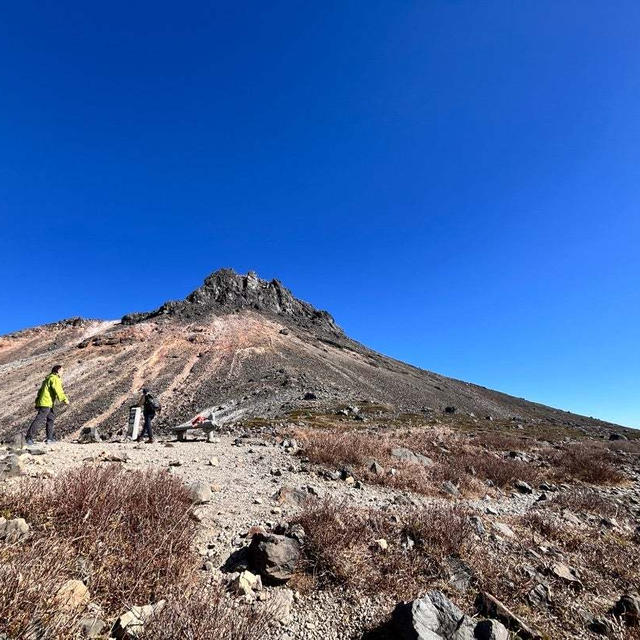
209, 435
182, 436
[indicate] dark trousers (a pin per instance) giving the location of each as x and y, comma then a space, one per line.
148, 417
44, 416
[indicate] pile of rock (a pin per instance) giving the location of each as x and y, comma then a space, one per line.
435, 617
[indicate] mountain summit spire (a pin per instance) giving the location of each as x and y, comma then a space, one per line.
225, 291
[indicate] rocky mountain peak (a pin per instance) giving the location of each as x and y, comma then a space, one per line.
225, 291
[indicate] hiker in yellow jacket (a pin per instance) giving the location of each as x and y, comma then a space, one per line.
50, 392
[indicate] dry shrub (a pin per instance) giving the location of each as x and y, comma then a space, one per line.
588, 463
465, 465
586, 499
128, 536
503, 472
546, 524
204, 613
340, 547
339, 448
30, 575
501, 441
627, 446
133, 529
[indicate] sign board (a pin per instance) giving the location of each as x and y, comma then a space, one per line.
135, 413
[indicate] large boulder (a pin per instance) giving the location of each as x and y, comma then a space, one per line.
274, 556
432, 617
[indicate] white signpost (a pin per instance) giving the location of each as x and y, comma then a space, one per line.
135, 413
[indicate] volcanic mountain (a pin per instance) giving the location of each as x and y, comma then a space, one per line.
238, 343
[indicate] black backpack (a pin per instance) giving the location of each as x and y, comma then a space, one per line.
151, 404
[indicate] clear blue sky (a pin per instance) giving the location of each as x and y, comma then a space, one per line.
457, 181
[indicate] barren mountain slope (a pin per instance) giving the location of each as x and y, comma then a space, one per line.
238, 342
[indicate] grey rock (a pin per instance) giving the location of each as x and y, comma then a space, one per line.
130, 625
450, 488
431, 617
566, 574
460, 573
11, 466
89, 435
200, 492
376, 468
628, 609
280, 605
539, 596
274, 557
491, 607
406, 455
13, 530
491, 630
92, 627
523, 487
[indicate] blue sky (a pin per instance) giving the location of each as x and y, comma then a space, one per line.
457, 181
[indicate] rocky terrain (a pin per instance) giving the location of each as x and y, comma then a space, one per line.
238, 342
329, 542
343, 495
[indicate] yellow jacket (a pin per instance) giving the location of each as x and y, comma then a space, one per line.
51, 391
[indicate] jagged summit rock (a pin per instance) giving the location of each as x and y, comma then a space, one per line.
225, 291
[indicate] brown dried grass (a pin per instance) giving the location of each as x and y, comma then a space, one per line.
340, 547
587, 463
127, 535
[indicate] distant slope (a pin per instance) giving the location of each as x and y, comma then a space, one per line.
237, 341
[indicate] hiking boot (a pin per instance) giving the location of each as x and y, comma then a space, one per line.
52, 441
29, 442
150, 441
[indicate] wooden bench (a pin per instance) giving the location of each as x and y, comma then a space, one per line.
208, 426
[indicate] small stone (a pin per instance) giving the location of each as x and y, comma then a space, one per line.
376, 468
450, 488
523, 487
213, 462
72, 595
281, 604
503, 530
245, 583
566, 574
92, 627
13, 530
200, 492
383, 545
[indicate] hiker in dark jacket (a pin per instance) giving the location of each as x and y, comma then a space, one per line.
150, 406
50, 392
